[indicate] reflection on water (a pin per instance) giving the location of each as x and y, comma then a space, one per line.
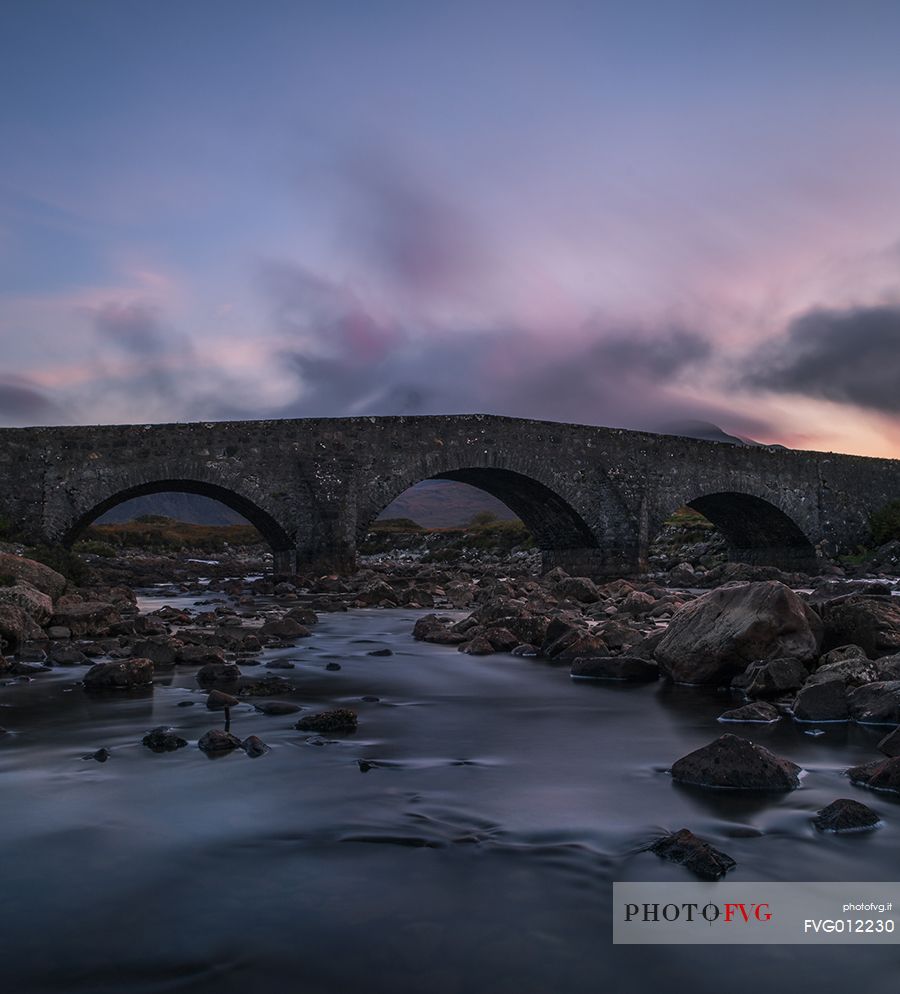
476, 853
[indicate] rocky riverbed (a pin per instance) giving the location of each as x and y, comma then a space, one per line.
571, 732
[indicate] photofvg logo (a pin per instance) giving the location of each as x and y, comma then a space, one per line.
729, 913
800, 912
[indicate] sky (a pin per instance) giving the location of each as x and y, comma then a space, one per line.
633, 214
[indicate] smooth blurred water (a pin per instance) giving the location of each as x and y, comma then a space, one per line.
477, 855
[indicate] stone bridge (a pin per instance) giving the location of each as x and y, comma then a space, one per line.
594, 498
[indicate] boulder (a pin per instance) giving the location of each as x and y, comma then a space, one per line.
35, 574
432, 628
732, 761
30, 600
715, 637
338, 720
882, 774
578, 588
890, 744
841, 653
284, 628
873, 623
876, 703
853, 672
123, 674
218, 674
199, 655
696, 855
91, 618
822, 702
161, 650
67, 655
14, 628
771, 679
478, 646
303, 615
757, 712
845, 815
631, 668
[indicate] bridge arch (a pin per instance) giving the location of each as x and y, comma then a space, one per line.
265, 523
756, 529
576, 519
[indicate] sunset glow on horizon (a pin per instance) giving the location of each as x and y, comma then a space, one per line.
633, 215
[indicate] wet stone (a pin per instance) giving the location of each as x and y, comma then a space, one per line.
845, 815
758, 712
277, 707
217, 700
338, 720
254, 746
163, 739
696, 855
218, 741
736, 762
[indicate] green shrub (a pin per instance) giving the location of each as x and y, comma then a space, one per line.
885, 524
64, 561
94, 547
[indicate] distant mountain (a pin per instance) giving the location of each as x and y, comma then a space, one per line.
708, 432
444, 504
192, 508
431, 503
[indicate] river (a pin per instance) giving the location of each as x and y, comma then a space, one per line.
477, 854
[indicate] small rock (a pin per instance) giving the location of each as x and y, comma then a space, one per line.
254, 746
218, 741
277, 707
332, 666
614, 668
217, 700
381, 652
163, 739
370, 699
757, 712
699, 857
845, 815
338, 720
882, 774
101, 755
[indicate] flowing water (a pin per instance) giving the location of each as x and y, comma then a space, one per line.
477, 854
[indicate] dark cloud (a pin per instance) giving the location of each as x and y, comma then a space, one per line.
848, 356
418, 240
21, 399
135, 327
348, 362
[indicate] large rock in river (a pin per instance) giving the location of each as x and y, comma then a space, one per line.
30, 599
732, 761
36, 574
715, 637
123, 674
870, 622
